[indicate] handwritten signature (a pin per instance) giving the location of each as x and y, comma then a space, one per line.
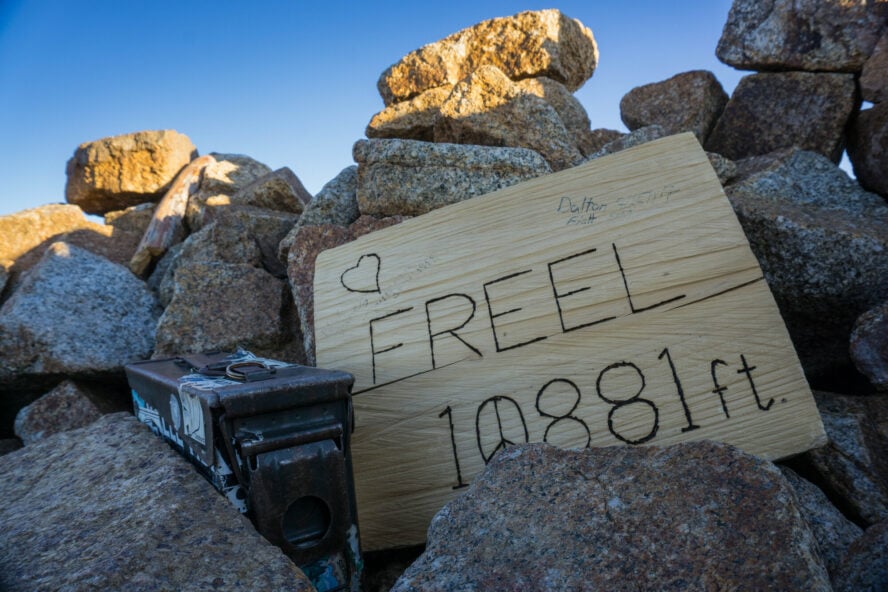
579, 211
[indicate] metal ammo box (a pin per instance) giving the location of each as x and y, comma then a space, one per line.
274, 439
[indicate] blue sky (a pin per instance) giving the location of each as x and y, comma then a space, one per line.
289, 83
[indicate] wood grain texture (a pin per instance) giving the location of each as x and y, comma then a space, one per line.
167, 223
613, 303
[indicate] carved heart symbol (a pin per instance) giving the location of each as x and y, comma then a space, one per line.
364, 276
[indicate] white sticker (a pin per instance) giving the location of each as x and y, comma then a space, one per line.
175, 412
192, 417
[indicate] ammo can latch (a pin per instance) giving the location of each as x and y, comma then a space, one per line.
295, 480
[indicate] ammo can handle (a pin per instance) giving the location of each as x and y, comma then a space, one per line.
253, 447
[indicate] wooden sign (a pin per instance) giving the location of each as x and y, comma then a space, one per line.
615, 303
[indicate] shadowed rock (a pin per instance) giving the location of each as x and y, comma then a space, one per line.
572, 113
687, 102
214, 243
239, 235
599, 137
132, 219
413, 119
113, 507
263, 228
208, 311
75, 314
8, 445
874, 77
834, 533
821, 241
771, 111
695, 516
280, 190
66, 407
814, 35
868, 148
866, 564
869, 346
625, 141
853, 467
336, 203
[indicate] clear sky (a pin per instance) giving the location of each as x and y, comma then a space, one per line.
290, 83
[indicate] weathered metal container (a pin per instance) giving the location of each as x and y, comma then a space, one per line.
274, 439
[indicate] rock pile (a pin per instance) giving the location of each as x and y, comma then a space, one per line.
73, 314
820, 239
482, 109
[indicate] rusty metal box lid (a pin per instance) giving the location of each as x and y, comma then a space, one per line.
288, 386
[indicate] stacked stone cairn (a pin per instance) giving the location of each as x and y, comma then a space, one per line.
94, 501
